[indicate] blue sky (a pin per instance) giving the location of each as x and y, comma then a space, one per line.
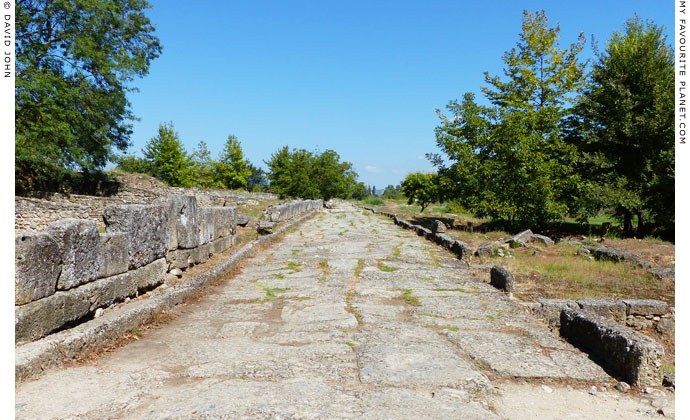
363, 78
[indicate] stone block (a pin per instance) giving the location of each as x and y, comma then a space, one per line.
221, 244
443, 240
242, 219
609, 308
206, 225
224, 221
37, 260
200, 254
502, 278
438, 227
79, 243
462, 250
265, 227
148, 229
421, 231
636, 357
183, 220
486, 249
551, 309
178, 258
40, 318
523, 236
113, 257
541, 239
663, 273
644, 307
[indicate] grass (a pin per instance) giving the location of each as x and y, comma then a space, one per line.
409, 298
294, 266
359, 268
449, 290
385, 268
396, 250
295, 252
325, 268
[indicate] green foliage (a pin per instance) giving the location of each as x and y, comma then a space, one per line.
359, 191
257, 181
168, 159
393, 193
133, 164
203, 166
509, 160
232, 170
304, 174
624, 127
421, 188
374, 201
75, 63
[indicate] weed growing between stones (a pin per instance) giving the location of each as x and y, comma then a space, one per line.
325, 270
449, 290
439, 327
359, 268
409, 298
295, 251
396, 250
279, 276
385, 268
294, 266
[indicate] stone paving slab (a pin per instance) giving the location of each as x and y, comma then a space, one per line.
316, 327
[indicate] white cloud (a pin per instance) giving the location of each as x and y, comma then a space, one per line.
398, 171
373, 169
421, 157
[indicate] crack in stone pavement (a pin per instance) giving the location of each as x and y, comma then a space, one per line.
348, 316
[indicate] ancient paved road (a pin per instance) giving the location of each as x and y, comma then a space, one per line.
347, 317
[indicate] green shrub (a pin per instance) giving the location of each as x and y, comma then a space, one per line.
374, 201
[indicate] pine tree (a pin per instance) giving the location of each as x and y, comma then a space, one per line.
232, 169
167, 157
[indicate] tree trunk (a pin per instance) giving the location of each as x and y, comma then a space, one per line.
640, 226
627, 222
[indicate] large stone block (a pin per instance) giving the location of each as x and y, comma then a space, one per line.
541, 239
178, 258
79, 245
206, 225
609, 308
502, 278
221, 244
113, 257
183, 220
644, 307
40, 318
551, 309
224, 221
462, 250
200, 254
148, 229
636, 357
523, 236
37, 259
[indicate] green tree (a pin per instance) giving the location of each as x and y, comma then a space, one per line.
257, 181
360, 191
509, 160
133, 164
393, 192
168, 159
422, 188
304, 174
75, 64
203, 166
232, 169
624, 128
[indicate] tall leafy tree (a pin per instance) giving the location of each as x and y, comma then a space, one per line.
625, 128
168, 159
75, 63
332, 177
203, 167
509, 160
257, 181
422, 188
232, 169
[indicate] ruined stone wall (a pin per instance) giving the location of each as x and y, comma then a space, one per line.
66, 272
36, 214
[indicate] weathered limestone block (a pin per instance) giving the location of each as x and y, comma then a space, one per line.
616, 255
206, 225
221, 244
422, 231
79, 244
438, 227
148, 229
242, 219
39, 318
523, 236
178, 258
486, 249
443, 240
541, 239
462, 250
37, 259
609, 308
113, 257
634, 356
644, 307
502, 278
224, 221
551, 309
183, 220
200, 254
663, 273
265, 227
